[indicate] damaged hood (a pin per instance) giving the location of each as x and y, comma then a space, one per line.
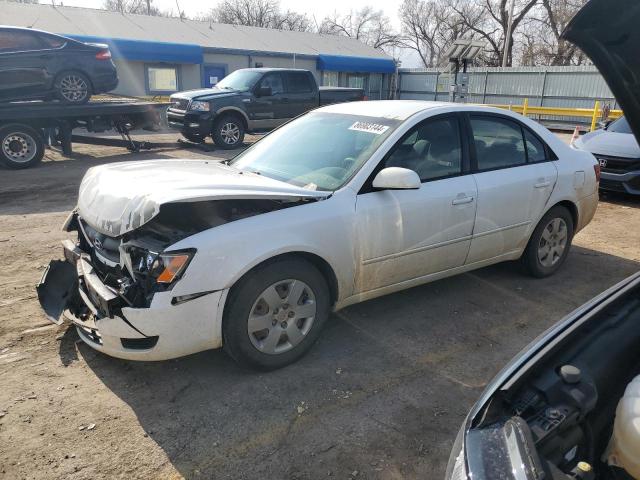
121, 197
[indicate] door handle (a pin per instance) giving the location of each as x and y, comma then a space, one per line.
462, 200
542, 184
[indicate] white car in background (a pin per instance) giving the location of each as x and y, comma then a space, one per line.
616, 149
346, 203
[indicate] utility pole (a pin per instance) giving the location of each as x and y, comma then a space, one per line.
148, 7
507, 38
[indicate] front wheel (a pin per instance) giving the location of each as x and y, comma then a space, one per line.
228, 132
275, 314
20, 146
73, 88
549, 244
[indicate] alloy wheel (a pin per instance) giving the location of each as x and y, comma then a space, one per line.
553, 242
73, 88
230, 133
282, 316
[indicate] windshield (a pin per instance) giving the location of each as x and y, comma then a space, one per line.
620, 126
241, 80
320, 151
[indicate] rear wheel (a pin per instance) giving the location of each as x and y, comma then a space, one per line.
228, 131
73, 88
275, 314
20, 146
550, 243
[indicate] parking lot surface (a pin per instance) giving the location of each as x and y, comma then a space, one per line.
381, 395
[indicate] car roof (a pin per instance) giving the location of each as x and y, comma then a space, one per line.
403, 109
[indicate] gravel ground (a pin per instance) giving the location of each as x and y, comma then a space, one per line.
381, 395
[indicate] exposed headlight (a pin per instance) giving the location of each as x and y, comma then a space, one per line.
199, 106
457, 468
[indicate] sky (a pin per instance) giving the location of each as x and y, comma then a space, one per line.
317, 8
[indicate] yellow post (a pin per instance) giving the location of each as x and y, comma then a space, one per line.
594, 118
525, 106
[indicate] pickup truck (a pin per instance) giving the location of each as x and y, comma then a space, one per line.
250, 100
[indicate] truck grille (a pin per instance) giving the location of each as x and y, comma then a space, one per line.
618, 164
180, 103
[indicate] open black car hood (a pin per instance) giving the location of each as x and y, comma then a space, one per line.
608, 31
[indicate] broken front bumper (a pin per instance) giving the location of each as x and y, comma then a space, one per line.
71, 290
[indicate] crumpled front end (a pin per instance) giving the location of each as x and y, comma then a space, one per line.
112, 290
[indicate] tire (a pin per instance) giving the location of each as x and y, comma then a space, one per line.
267, 336
550, 243
228, 131
72, 88
20, 146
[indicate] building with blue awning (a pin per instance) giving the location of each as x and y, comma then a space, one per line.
160, 55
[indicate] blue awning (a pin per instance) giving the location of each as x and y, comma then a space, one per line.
341, 63
146, 51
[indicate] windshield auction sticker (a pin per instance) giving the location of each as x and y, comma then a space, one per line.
369, 127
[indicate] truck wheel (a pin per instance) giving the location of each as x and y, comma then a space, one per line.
72, 88
228, 131
275, 314
20, 146
550, 243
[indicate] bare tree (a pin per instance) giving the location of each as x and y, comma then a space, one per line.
429, 27
142, 7
489, 20
556, 49
366, 24
258, 13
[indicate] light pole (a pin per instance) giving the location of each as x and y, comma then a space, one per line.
507, 38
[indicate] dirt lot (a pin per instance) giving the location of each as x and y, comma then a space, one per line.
380, 396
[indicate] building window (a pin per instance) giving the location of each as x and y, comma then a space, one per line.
355, 80
162, 79
330, 79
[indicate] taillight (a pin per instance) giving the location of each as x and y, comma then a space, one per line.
103, 55
596, 169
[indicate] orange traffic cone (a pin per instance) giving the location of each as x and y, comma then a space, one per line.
575, 136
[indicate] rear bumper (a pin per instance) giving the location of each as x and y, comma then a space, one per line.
72, 291
104, 82
624, 183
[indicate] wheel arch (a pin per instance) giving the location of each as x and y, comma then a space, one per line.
323, 266
233, 111
573, 209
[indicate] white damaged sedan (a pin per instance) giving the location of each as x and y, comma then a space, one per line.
343, 204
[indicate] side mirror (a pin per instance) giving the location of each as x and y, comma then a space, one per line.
264, 92
396, 178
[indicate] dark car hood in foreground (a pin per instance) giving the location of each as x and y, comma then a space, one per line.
205, 93
607, 31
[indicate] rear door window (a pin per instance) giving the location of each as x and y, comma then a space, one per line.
273, 80
52, 41
298, 82
18, 41
498, 142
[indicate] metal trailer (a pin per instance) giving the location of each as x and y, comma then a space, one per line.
27, 127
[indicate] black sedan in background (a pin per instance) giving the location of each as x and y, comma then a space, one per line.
568, 407
40, 65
